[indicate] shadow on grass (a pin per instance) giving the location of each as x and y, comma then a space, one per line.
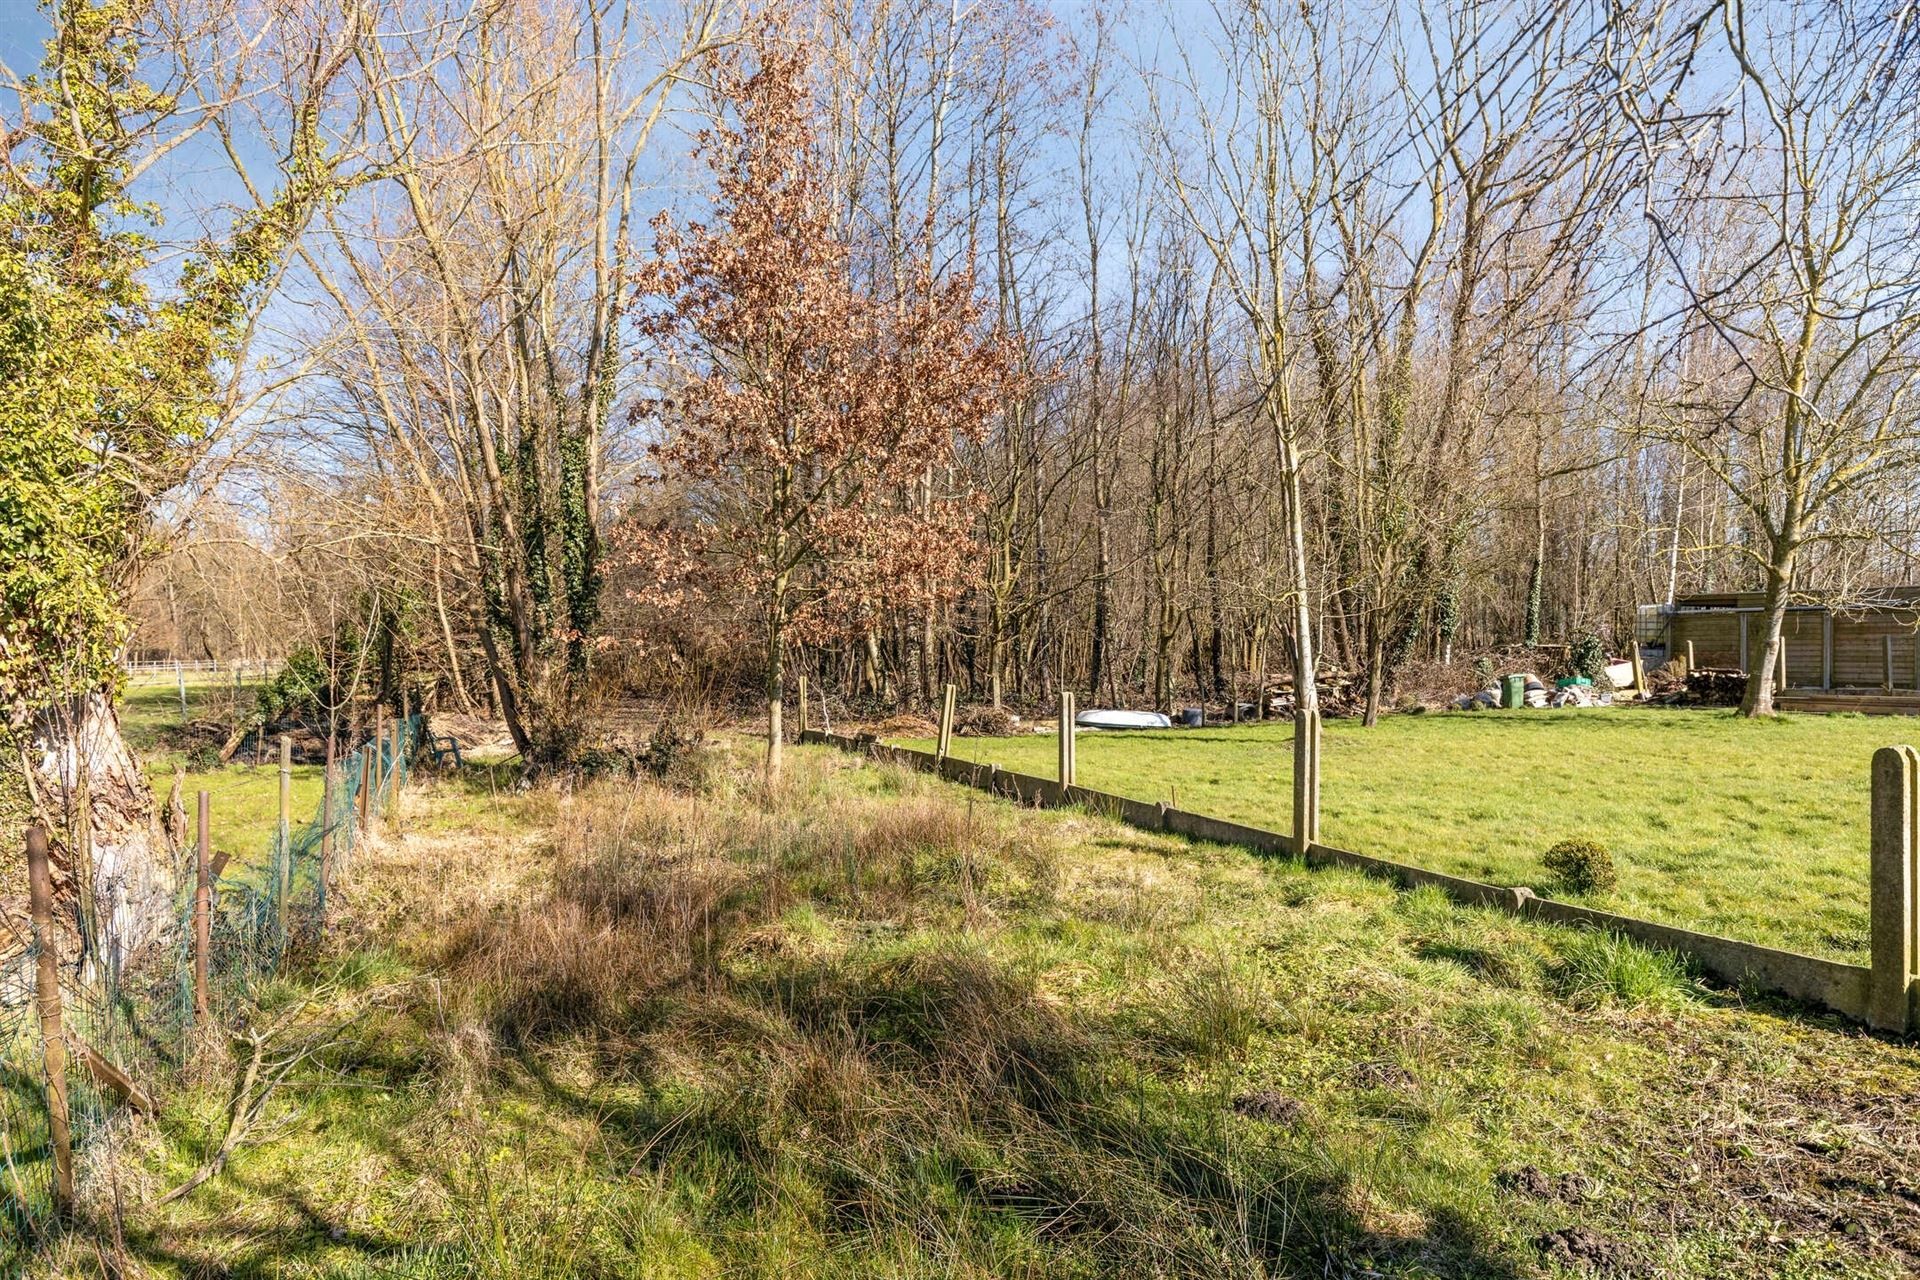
920, 1105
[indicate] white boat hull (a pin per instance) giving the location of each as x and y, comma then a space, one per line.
1121, 720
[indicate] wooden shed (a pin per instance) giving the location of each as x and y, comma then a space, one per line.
1869, 645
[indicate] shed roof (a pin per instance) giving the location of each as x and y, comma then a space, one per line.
1859, 600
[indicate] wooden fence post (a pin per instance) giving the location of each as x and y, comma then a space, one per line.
948, 694
1306, 781
1639, 670
1066, 737
1887, 672
283, 863
1826, 649
803, 703
180, 678
202, 910
1073, 741
1892, 905
52, 1034
1780, 665
1689, 657
1746, 656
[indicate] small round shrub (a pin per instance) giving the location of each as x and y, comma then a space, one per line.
1582, 866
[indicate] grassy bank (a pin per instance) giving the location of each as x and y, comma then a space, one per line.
883, 1028
1755, 830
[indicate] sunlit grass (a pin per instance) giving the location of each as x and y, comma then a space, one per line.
872, 1025
1756, 830
244, 799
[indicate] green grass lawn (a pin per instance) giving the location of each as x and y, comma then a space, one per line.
245, 800
1754, 830
872, 1027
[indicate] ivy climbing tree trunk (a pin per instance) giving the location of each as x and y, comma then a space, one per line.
485, 346
121, 368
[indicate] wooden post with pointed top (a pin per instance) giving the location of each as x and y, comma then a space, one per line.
1894, 890
52, 1033
202, 908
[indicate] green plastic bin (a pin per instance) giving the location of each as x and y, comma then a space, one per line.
1513, 691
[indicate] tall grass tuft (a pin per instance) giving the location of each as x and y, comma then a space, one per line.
832, 1044
1600, 968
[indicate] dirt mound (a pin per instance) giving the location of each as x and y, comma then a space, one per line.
1583, 1249
1270, 1106
985, 722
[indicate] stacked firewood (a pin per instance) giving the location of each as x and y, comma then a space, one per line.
1714, 687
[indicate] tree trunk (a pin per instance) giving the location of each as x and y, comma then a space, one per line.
1536, 584
776, 698
1758, 700
89, 789
1306, 689
1376, 674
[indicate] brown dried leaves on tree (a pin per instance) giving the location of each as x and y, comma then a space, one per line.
809, 424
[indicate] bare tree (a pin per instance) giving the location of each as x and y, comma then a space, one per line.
1804, 411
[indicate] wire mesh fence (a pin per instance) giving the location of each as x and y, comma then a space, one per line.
122, 1031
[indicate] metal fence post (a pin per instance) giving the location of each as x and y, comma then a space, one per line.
202, 910
326, 835
52, 1034
379, 745
397, 764
283, 859
1893, 908
362, 796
